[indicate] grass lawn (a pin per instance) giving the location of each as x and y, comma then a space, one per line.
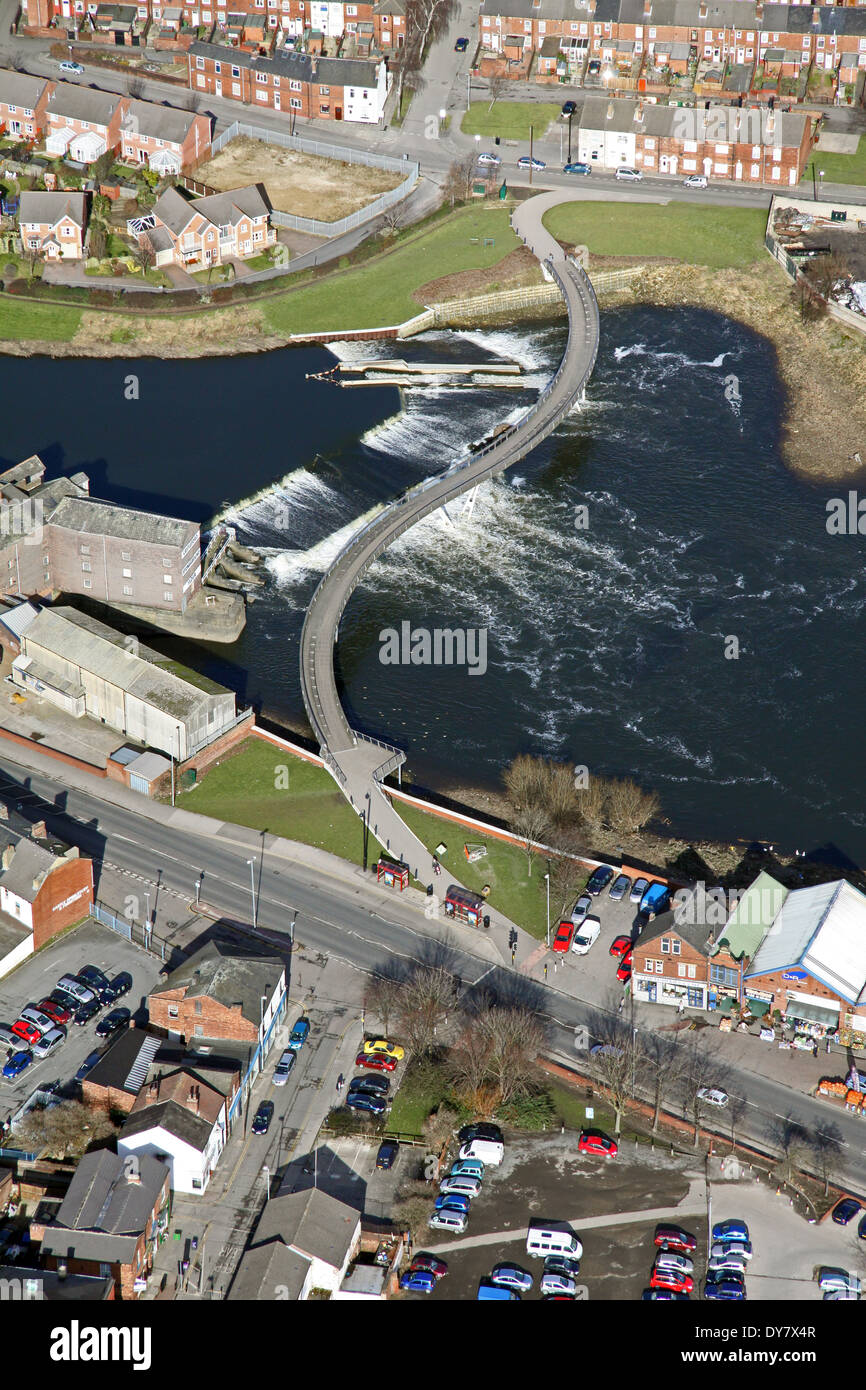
509, 119
379, 293
715, 237
246, 788
421, 1091
44, 322
837, 168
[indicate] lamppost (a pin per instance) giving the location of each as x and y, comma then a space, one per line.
821, 177
570, 119
146, 911
198, 883
547, 881
442, 116
267, 1172
251, 863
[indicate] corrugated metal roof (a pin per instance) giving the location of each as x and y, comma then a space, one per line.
823, 931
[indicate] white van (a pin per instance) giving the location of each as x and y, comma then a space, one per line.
453, 1221
487, 1150
542, 1240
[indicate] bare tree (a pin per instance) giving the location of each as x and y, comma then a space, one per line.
457, 184
664, 1060
699, 1069
616, 1064
567, 872
425, 1000
469, 1067
62, 1131
629, 807
405, 67
438, 1127
496, 87
591, 801
192, 101
144, 256
529, 823
792, 1140
428, 19
516, 1038
826, 1143
382, 998
526, 779
392, 218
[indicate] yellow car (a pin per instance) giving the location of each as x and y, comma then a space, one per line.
388, 1049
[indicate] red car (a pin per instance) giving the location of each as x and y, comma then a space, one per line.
675, 1239
375, 1061
429, 1262
55, 1011
25, 1030
592, 1141
564, 933
620, 946
669, 1279
623, 970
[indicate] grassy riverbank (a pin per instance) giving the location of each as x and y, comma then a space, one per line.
710, 236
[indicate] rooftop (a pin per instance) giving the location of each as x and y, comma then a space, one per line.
235, 981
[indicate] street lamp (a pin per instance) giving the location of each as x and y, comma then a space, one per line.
547, 881
442, 116
147, 911
821, 177
267, 1172
198, 883
251, 863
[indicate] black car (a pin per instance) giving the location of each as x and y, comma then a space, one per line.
263, 1116
846, 1210
387, 1155
371, 1085
85, 1012
87, 1065
599, 879
120, 985
66, 1001
93, 978
117, 1019
480, 1130
568, 108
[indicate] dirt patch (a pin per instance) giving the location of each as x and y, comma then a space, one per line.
304, 184
515, 270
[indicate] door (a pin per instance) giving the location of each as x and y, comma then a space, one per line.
276, 101
338, 113
218, 88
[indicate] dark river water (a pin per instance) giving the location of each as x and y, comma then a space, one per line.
606, 643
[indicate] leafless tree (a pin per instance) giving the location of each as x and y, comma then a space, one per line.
737, 1108
530, 824
526, 779
826, 1144
561, 793
192, 101
469, 1066
516, 1037
427, 20
62, 1131
406, 72
438, 1127
591, 801
382, 998
616, 1064
567, 873
496, 87
629, 807
424, 1003
699, 1069
144, 257
822, 272
663, 1063
392, 218
792, 1140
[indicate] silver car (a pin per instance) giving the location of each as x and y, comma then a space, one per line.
49, 1042
619, 888
638, 889
668, 1259
581, 908
284, 1066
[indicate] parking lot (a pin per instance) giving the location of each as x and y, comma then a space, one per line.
612, 1206
597, 969
89, 944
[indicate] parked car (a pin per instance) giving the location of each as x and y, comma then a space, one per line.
452, 1201
8, 1039
670, 1259
87, 1065
562, 1264
586, 936
841, 1296
592, 1141
655, 900
387, 1155
417, 1281
527, 162
632, 175
85, 1012
713, 1095
370, 1085
26, 1031
724, 1265
675, 1238
727, 1289
846, 1210
638, 889
695, 181
283, 1069
16, 1064
663, 1296
431, 1263
299, 1034
467, 1168
557, 1283
36, 1016
831, 1280
730, 1230
461, 45
120, 985
381, 1047
71, 985
488, 157
480, 1129
509, 1276
623, 970
619, 888
49, 1042
605, 1050
599, 879
453, 1221
620, 946
593, 67
74, 69
375, 1061
113, 1022
362, 1100
562, 940
569, 108
463, 1187
733, 1276
861, 1229
262, 1118
728, 1247
93, 977
670, 1279
581, 908
58, 1013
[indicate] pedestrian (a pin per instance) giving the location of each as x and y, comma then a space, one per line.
340, 1082
827, 1044
681, 1005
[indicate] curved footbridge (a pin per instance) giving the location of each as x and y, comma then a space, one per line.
359, 763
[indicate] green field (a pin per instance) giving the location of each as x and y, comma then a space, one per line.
509, 119
837, 168
46, 323
247, 788
380, 292
713, 236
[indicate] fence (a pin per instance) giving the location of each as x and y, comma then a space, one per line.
136, 933
305, 145
790, 267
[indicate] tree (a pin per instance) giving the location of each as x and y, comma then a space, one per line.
791, 1139
663, 1058
629, 807
567, 872
425, 999
561, 793
617, 1064
529, 823
144, 255
97, 240
457, 184
496, 87
192, 101
438, 1127
101, 170
62, 1131
469, 1068
382, 998
526, 779
591, 800
827, 1143
699, 1069
101, 206
516, 1037
392, 218
428, 19
406, 71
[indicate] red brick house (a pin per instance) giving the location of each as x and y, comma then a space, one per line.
670, 963
54, 225
332, 89
164, 137
81, 123
218, 994
45, 886
23, 100
209, 231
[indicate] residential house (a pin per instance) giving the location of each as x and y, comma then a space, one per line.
305, 1240
54, 225
336, 89
203, 232
23, 100
181, 1120
110, 1220
164, 137
670, 963
45, 887
136, 1058
218, 993
82, 124
117, 24
88, 669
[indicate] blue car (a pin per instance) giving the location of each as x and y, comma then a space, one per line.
467, 1168
452, 1202
17, 1063
360, 1100
731, 1230
577, 168
664, 1296
299, 1034
87, 1065
507, 1276
418, 1281
726, 1289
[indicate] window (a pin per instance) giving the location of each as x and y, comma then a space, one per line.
167, 579
198, 1006
692, 971
217, 67
324, 91
88, 583
127, 589
199, 62
85, 565
756, 152
236, 72
261, 77
172, 1010
296, 103
85, 549
722, 975
690, 146
294, 86
721, 149
127, 574
676, 947
666, 945
681, 972
126, 554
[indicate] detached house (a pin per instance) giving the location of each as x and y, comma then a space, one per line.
82, 124
209, 231
23, 101
54, 224
220, 994
164, 137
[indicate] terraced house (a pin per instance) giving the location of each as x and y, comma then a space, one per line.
53, 225
332, 89
23, 101
83, 124
210, 231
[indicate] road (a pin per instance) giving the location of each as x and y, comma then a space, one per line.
338, 916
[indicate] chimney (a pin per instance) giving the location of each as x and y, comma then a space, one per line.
39, 830
771, 122
314, 63
591, 6
610, 110
133, 1174
8, 856
759, 12
193, 1099
647, 8
639, 114
153, 1088
816, 17
702, 10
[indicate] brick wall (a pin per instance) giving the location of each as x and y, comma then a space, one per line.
213, 1019
106, 1098
70, 884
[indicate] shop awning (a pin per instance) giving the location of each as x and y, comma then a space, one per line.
811, 1013
725, 1004
758, 1007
